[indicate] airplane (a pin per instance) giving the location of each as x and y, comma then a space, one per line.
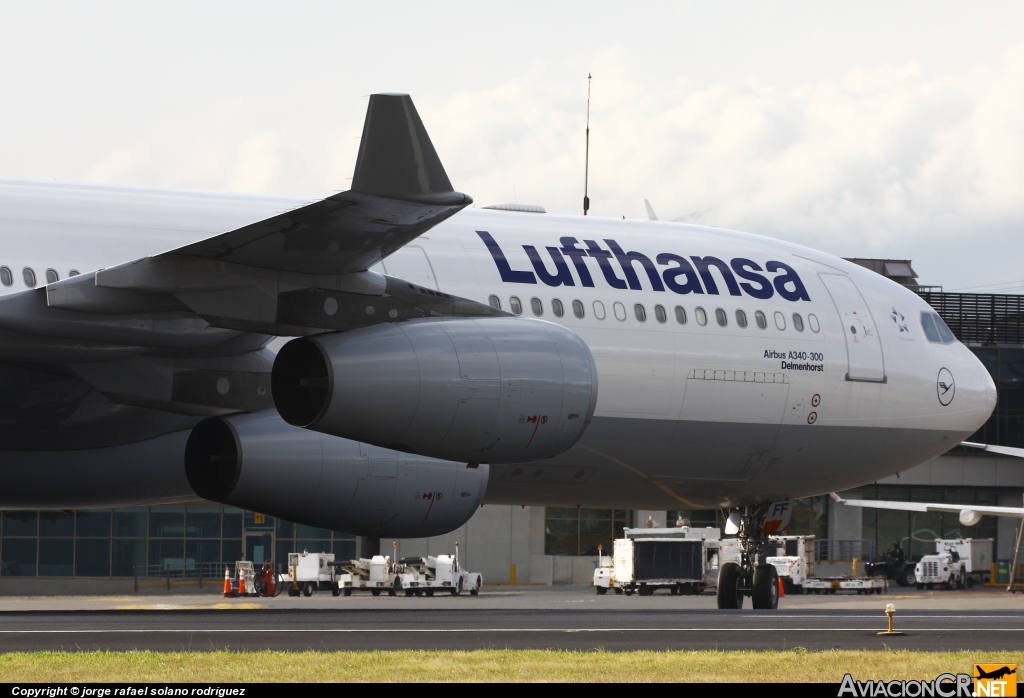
446, 356
969, 514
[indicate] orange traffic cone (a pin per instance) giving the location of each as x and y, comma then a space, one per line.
782, 588
241, 583
227, 583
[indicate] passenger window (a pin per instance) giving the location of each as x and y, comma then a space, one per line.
741, 318
945, 334
641, 312
680, 315
721, 318
702, 318
577, 309
515, 305
29, 277
556, 308
620, 311
537, 306
51, 276
928, 325
761, 320
780, 320
660, 314
495, 302
798, 322
6, 277
812, 320
73, 272
599, 310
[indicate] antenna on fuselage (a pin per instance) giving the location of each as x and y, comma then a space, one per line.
586, 157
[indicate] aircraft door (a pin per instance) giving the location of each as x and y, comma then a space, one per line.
411, 263
863, 345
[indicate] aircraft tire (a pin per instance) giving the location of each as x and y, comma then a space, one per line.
765, 592
729, 596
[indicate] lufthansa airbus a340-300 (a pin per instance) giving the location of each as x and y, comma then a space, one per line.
447, 356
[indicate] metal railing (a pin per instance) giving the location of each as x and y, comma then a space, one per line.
837, 549
177, 572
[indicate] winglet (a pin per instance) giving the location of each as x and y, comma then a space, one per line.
396, 158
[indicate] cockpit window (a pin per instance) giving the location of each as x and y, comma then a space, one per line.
945, 334
935, 330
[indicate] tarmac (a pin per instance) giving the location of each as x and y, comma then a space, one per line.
570, 618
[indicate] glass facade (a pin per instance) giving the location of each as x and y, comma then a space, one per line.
114, 542
917, 531
577, 531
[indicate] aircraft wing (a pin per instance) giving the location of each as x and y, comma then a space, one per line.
967, 512
1001, 450
166, 330
272, 276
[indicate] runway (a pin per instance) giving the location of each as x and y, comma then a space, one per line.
567, 619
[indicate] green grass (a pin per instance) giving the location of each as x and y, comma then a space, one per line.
488, 665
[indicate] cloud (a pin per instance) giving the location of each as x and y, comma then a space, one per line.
892, 160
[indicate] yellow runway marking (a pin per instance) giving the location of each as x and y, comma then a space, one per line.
188, 607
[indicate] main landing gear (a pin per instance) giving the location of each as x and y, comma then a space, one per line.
752, 576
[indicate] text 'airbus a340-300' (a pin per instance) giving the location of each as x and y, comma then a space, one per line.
447, 356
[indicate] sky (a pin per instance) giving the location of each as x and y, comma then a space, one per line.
873, 129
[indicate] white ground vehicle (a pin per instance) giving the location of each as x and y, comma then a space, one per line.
411, 575
309, 572
831, 585
683, 560
793, 560
376, 574
957, 562
419, 575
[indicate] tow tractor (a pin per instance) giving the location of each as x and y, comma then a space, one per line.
957, 562
683, 560
309, 572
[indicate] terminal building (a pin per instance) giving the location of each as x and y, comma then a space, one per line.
113, 550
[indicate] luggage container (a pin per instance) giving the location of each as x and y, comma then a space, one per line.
683, 560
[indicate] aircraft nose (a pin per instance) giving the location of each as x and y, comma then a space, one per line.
978, 390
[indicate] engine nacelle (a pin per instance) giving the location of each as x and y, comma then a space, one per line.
487, 390
260, 463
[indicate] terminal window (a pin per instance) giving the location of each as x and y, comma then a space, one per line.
578, 531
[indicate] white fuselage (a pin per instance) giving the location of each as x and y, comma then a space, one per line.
689, 414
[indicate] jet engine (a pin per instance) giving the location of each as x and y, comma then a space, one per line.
487, 390
258, 462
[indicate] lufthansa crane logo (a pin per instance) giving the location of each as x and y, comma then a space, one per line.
945, 387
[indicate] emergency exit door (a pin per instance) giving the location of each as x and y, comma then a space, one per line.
863, 346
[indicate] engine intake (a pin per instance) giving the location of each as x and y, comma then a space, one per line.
260, 463
489, 390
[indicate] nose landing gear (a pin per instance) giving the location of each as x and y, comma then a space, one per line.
752, 576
